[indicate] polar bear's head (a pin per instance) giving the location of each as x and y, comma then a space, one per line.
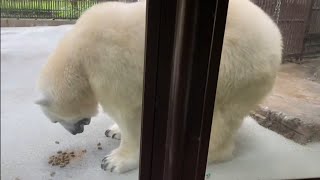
73, 115
65, 94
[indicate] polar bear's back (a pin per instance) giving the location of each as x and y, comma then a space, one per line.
108, 42
251, 55
116, 15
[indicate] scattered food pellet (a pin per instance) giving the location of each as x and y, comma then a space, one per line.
62, 158
100, 148
52, 174
57, 142
99, 144
84, 151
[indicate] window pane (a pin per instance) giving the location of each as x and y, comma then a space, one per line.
266, 118
89, 78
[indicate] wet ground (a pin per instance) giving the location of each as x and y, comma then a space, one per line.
293, 108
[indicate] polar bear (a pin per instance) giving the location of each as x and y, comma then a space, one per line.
101, 61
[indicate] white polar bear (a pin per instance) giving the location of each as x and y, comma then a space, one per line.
101, 60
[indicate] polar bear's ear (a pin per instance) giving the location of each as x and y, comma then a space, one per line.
42, 100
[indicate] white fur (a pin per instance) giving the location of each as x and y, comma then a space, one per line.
101, 61
114, 132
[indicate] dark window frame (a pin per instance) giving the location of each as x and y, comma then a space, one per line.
182, 56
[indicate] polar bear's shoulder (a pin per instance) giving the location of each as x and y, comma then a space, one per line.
113, 14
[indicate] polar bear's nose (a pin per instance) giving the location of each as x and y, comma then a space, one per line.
79, 126
75, 128
85, 121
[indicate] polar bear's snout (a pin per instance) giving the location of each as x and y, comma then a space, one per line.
77, 127
85, 121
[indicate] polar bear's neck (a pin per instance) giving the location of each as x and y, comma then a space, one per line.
63, 77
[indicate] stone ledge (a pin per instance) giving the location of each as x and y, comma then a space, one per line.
292, 109
290, 127
13, 22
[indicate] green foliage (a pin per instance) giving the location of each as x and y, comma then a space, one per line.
49, 9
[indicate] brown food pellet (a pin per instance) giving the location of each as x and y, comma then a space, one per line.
57, 142
99, 144
100, 148
63, 158
52, 174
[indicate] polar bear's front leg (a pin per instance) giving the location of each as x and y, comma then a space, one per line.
122, 159
224, 127
126, 156
113, 132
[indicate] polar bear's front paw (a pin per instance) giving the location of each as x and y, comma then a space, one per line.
120, 161
113, 132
